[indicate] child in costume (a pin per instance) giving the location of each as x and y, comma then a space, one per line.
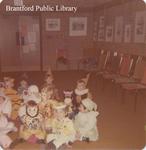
86, 122
69, 105
22, 87
32, 93
5, 125
81, 92
50, 86
32, 128
47, 113
63, 131
13, 95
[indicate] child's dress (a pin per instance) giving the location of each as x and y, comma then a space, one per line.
63, 132
32, 127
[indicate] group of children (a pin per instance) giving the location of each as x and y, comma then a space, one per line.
40, 116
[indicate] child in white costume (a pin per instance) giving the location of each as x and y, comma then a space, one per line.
32, 94
85, 121
5, 125
63, 131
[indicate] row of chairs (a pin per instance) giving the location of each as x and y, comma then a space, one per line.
127, 71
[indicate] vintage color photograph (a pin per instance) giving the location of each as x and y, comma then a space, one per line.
72, 74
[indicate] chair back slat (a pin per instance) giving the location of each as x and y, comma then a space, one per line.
143, 81
102, 60
139, 68
125, 65
133, 64
113, 62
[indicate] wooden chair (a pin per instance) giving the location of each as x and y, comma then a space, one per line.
104, 55
137, 86
112, 75
127, 69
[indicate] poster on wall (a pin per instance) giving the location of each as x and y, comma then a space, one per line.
109, 33
101, 21
101, 35
53, 24
78, 26
127, 33
118, 29
140, 25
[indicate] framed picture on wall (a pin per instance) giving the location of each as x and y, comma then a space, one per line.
78, 26
101, 21
127, 33
118, 29
53, 24
109, 33
140, 22
101, 35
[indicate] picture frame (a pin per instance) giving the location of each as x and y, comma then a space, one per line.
53, 24
118, 29
101, 33
109, 33
127, 33
101, 22
140, 27
78, 26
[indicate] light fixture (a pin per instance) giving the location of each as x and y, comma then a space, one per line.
1, 1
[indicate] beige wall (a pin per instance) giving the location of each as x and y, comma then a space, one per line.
61, 39
13, 58
128, 11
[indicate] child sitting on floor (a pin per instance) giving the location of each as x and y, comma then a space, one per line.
5, 125
85, 121
13, 95
22, 87
32, 93
69, 105
63, 131
32, 128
